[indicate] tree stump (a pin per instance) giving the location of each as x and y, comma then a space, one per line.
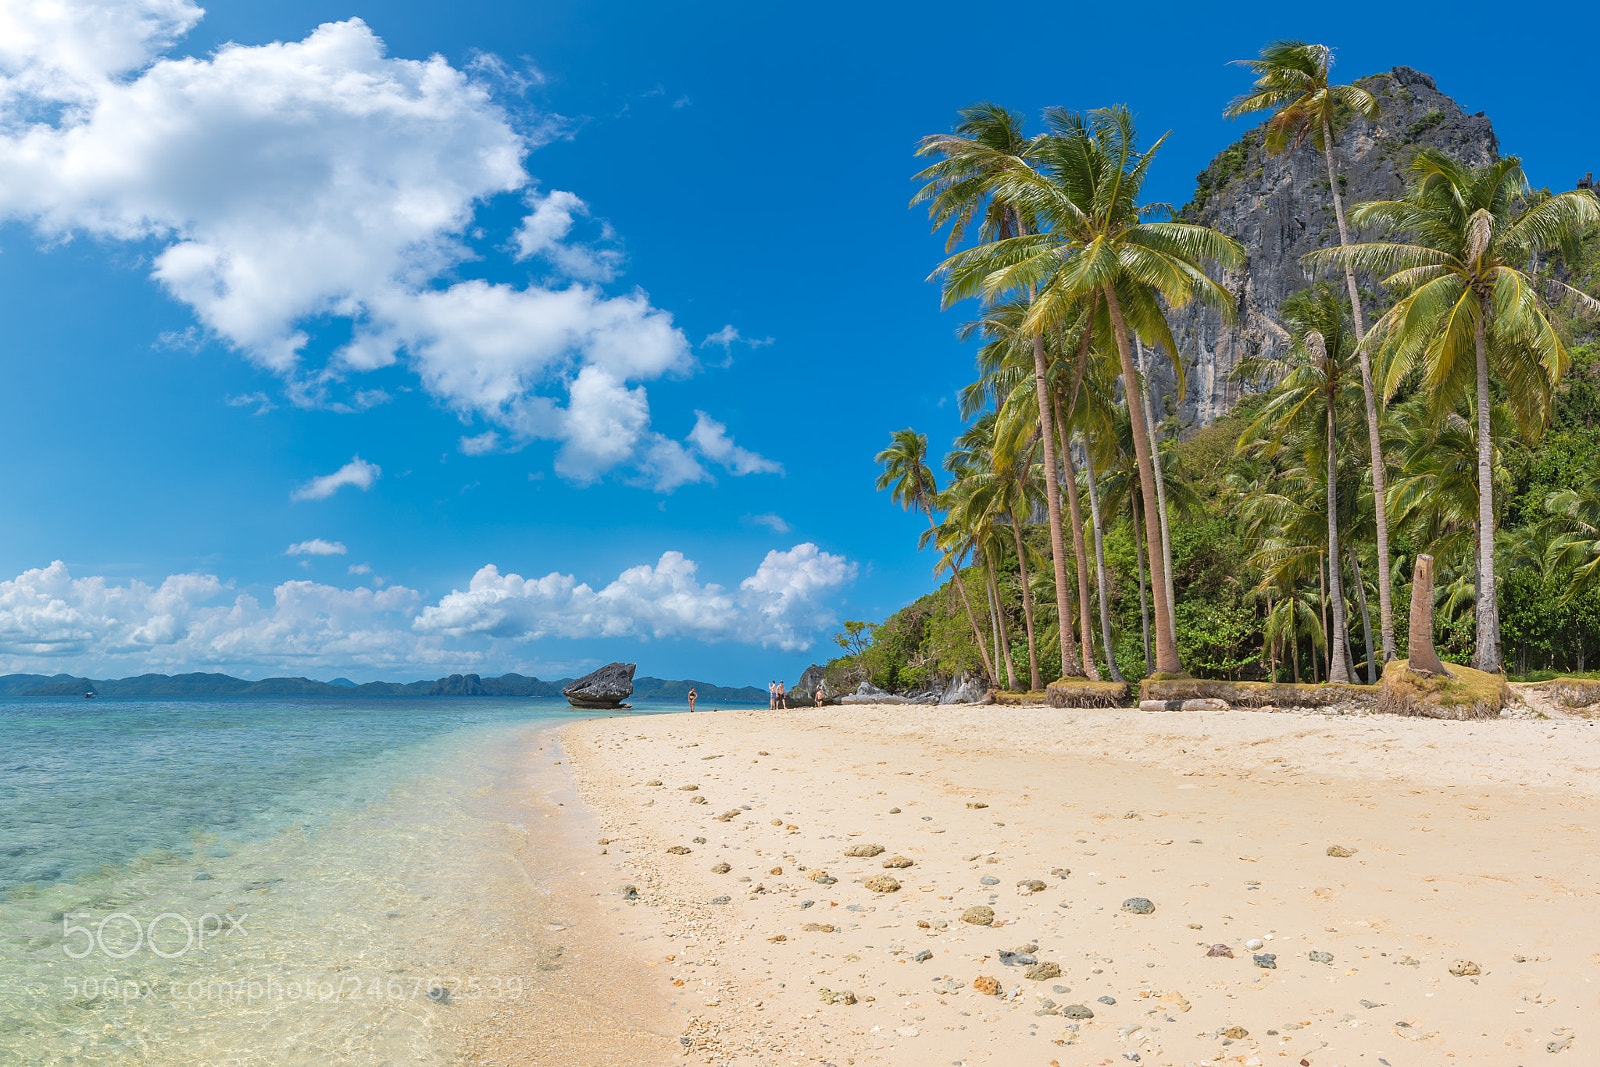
1423, 660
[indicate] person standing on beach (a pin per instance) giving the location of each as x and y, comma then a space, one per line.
818, 697
772, 696
783, 697
692, 696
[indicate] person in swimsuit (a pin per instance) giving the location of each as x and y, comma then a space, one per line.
692, 696
783, 697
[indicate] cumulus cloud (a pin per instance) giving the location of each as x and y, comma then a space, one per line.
711, 438
358, 472
779, 605
322, 179
317, 547
194, 620
51, 621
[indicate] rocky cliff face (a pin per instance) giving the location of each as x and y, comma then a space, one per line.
1281, 207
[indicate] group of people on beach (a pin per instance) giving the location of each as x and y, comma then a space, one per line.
777, 697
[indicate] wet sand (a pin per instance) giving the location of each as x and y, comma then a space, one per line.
1472, 849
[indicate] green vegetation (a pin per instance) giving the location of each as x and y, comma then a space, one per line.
1080, 531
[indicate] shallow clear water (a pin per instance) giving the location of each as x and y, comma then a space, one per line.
246, 882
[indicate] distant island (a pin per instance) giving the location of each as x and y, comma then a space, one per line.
456, 685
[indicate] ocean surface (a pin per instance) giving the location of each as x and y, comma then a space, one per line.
248, 881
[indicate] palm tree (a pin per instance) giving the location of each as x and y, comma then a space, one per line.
986, 143
1308, 394
910, 482
1090, 248
1576, 515
1292, 82
1466, 292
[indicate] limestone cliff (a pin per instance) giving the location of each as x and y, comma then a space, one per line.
1280, 207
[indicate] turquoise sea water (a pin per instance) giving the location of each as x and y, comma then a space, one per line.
261, 882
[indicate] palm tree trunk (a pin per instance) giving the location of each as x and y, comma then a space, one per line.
1100, 566
1034, 682
1374, 445
1272, 646
1167, 660
1080, 554
1487, 655
1052, 488
966, 602
1366, 617
1144, 608
1002, 636
1322, 605
1161, 478
1294, 646
1337, 669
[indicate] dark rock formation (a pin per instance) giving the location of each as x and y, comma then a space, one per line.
867, 693
965, 689
804, 692
607, 687
1281, 207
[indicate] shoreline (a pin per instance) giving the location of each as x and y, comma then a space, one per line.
1471, 846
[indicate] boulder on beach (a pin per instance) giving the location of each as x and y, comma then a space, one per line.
966, 689
804, 692
607, 687
867, 693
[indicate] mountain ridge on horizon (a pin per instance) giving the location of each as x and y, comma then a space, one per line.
201, 684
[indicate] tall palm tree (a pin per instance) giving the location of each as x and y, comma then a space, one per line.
910, 482
1465, 292
1313, 377
1292, 82
988, 142
1089, 247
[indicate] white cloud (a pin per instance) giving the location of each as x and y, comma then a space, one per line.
317, 547
544, 233
360, 568
772, 521
260, 401
51, 621
358, 472
480, 444
48, 620
729, 335
712, 440
297, 182
778, 605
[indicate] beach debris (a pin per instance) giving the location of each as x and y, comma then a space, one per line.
894, 811
439, 995
1177, 1000
988, 879
818, 928
924, 924
1040, 972
1022, 957
776, 871
1107, 1000
1220, 950
778, 937
777, 822
687, 788
1340, 852
1318, 956
724, 899
1237, 1033
1465, 968
763, 753
629, 891
976, 804
654, 781
1031, 885
924, 956
698, 840
971, 857
864, 851
1562, 1042
728, 816
1138, 906
821, 877
1255, 944
978, 915
989, 987
882, 883
837, 996
678, 850
721, 868
1078, 1011
804, 904
1266, 960
603, 841
897, 862
1060, 872
698, 800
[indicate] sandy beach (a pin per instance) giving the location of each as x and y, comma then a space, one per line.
791, 887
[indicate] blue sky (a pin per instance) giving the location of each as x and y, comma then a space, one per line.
602, 312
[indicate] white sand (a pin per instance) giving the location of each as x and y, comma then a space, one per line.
1472, 841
